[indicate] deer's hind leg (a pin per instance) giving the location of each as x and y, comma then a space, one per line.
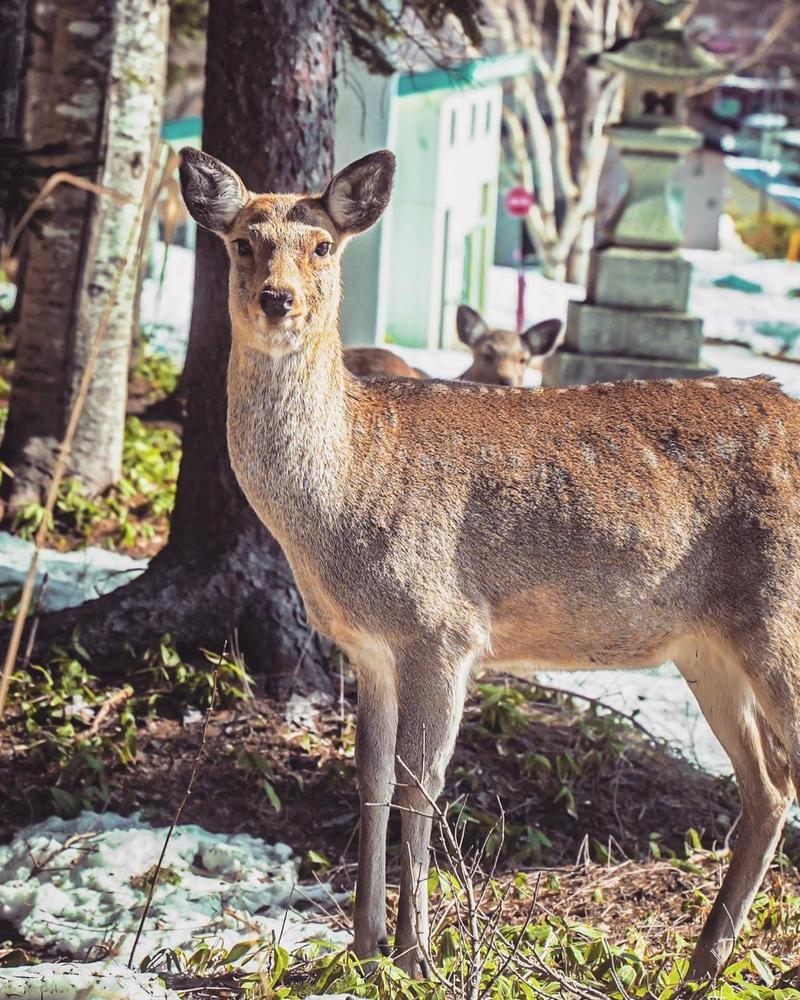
731, 704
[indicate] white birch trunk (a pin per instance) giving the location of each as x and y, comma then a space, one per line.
133, 121
96, 82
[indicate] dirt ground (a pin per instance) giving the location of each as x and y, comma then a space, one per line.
599, 853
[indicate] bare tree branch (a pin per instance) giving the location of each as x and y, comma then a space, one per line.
565, 12
787, 13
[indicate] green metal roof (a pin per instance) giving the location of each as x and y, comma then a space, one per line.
476, 73
182, 128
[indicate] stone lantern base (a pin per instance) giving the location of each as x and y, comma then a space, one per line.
634, 323
569, 368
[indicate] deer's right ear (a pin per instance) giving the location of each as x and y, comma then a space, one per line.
470, 325
356, 197
213, 193
543, 337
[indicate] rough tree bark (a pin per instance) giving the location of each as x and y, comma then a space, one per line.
12, 39
269, 113
101, 89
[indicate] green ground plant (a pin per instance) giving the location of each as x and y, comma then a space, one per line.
158, 372
504, 927
495, 938
79, 731
131, 513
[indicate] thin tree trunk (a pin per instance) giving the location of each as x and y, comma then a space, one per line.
102, 88
269, 113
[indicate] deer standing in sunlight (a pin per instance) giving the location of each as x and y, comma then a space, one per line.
499, 357
437, 528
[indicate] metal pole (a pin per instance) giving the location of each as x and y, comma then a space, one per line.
521, 278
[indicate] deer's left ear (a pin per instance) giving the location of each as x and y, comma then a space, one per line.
542, 337
357, 196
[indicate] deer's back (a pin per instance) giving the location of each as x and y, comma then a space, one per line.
672, 496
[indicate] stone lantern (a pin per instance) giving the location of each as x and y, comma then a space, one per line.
634, 322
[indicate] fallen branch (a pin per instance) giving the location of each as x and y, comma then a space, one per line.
114, 700
599, 703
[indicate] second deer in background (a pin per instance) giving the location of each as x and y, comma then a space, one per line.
499, 357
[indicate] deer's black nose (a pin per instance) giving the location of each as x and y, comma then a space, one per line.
275, 303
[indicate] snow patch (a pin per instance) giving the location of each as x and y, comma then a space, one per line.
79, 887
85, 29
767, 321
659, 699
72, 577
93, 981
166, 305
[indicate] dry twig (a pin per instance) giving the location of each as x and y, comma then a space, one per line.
114, 700
182, 803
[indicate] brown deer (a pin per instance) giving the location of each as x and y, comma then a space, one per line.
499, 357
437, 528
368, 361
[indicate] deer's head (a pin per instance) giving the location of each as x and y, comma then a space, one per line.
285, 249
500, 357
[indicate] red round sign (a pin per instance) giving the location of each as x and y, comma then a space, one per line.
518, 201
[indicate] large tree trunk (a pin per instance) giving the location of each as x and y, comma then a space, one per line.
269, 113
12, 43
101, 90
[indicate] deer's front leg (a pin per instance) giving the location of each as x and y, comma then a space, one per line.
376, 728
431, 690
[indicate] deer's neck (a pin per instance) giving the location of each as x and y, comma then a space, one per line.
289, 431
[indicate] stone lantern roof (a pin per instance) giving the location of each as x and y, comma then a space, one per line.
660, 50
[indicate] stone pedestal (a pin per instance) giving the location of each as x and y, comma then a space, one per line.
634, 323
569, 368
639, 279
640, 333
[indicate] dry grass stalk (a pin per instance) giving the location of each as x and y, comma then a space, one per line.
52, 182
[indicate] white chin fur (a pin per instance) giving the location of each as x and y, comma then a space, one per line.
281, 340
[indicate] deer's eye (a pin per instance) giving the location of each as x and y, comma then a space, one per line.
243, 248
322, 249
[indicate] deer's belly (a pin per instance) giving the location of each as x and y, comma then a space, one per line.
529, 635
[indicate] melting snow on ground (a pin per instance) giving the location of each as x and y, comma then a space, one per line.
93, 981
768, 320
72, 577
79, 886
